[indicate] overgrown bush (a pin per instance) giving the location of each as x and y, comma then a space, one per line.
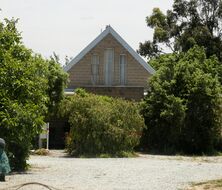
182, 110
101, 125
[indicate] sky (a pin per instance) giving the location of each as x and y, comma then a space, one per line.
67, 26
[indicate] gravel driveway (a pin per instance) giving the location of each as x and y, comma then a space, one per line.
142, 173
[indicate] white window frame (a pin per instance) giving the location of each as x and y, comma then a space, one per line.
122, 69
95, 69
109, 67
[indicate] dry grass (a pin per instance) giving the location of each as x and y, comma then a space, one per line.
41, 152
208, 185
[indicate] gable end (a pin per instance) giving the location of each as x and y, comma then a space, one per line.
109, 30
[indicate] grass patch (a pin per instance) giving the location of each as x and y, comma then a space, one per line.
121, 154
219, 154
41, 152
169, 152
208, 185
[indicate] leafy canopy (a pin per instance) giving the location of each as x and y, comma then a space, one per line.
182, 108
30, 86
189, 23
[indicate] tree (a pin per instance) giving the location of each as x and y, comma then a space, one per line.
189, 23
28, 89
57, 81
182, 108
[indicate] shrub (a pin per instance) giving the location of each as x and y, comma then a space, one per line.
101, 125
18, 153
219, 144
182, 110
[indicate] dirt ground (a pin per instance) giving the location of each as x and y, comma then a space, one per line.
146, 172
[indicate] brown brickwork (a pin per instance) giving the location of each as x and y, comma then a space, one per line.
80, 74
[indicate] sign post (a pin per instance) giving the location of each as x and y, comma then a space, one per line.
44, 135
47, 140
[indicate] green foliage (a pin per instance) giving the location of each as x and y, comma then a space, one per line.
57, 80
183, 107
27, 88
101, 125
189, 23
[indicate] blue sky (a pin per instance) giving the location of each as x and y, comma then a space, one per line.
67, 26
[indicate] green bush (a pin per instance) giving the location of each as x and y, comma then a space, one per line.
182, 110
101, 125
218, 144
18, 153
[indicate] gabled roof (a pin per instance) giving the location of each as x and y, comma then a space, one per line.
109, 30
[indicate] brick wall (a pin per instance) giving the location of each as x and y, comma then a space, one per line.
80, 73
